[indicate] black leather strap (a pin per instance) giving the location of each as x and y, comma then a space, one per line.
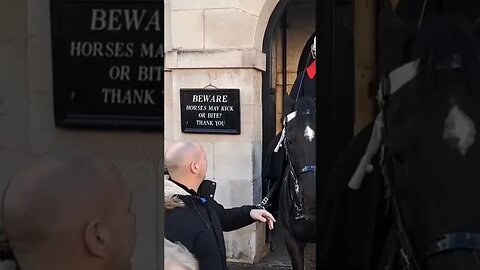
265, 200
408, 256
457, 240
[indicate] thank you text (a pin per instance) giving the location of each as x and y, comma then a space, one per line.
210, 111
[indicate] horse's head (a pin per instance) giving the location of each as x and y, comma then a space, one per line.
432, 126
300, 138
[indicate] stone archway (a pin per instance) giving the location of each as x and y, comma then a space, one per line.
270, 7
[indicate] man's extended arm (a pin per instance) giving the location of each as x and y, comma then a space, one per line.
234, 218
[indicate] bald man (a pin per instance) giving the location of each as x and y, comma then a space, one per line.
70, 210
192, 216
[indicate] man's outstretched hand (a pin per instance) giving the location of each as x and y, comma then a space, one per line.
263, 216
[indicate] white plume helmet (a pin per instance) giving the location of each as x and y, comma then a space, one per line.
314, 48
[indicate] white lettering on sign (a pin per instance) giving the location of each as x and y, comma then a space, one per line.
214, 115
154, 22
196, 108
119, 73
99, 49
205, 122
210, 111
213, 108
129, 96
227, 109
125, 19
151, 50
149, 73
210, 98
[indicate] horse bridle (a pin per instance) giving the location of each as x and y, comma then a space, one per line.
283, 141
305, 168
389, 85
294, 174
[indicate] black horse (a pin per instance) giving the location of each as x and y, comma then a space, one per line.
297, 206
290, 165
352, 224
428, 162
432, 154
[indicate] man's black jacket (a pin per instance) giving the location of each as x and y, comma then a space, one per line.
198, 222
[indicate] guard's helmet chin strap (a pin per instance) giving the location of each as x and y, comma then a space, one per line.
314, 48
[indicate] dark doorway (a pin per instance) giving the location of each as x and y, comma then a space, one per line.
289, 34
305, 52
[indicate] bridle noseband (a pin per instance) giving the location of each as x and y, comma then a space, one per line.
294, 173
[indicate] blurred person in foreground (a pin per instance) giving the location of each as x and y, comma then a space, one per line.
69, 210
177, 257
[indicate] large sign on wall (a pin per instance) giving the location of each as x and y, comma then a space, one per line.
108, 63
210, 111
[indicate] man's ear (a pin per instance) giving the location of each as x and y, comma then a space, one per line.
97, 239
194, 167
